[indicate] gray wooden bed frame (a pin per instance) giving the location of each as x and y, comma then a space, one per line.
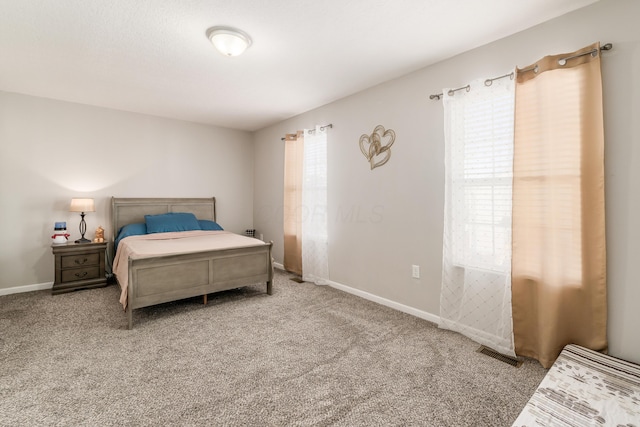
167, 278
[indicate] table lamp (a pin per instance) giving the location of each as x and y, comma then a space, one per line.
82, 206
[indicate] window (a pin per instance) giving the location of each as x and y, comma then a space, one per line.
481, 178
476, 267
305, 205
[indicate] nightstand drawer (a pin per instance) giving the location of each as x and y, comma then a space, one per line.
75, 261
80, 274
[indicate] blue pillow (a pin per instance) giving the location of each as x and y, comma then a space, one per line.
130, 230
172, 221
205, 224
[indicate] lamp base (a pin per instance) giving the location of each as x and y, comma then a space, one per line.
83, 240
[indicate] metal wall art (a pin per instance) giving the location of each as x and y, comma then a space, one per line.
377, 146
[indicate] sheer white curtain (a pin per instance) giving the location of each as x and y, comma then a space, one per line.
315, 241
476, 277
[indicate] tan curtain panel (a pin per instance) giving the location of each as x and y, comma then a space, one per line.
559, 254
293, 161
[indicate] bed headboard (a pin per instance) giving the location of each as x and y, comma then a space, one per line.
131, 210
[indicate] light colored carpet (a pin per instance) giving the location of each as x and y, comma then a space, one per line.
305, 356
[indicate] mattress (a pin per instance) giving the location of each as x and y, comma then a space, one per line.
585, 388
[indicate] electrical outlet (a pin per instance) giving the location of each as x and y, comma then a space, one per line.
262, 237
415, 271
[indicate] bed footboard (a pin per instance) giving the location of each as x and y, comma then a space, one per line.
157, 280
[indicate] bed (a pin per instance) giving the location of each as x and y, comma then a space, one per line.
585, 388
149, 277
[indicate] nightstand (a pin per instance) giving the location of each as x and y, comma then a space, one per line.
79, 266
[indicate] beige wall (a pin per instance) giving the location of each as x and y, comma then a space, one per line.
51, 151
383, 221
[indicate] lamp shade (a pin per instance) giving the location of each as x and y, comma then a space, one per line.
229, 41
82, 205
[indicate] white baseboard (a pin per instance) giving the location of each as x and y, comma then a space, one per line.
383, 301
27, 288
379, 300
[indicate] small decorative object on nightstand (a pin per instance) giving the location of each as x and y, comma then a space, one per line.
99, 235
60, 235
79, 266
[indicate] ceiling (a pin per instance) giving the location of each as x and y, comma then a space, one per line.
153, 56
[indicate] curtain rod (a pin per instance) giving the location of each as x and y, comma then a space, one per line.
330, 125
488, 82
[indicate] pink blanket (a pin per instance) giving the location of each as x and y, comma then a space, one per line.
150, 245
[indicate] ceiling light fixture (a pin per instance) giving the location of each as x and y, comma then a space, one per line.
229, 41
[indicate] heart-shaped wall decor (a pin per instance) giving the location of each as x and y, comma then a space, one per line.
377, 146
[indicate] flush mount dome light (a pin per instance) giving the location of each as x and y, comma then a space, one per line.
229, 41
